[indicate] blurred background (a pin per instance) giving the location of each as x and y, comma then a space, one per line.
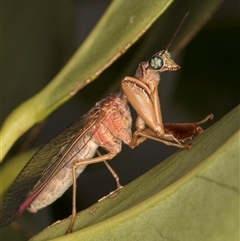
39, 37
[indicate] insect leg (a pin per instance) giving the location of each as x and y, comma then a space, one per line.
208, 117
179, 133
102, 158
150, 134
115, 175
142, 133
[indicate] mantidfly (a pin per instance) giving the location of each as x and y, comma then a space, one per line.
56, 166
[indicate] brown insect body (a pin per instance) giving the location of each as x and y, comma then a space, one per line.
106, 125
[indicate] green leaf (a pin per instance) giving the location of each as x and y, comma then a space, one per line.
193, 195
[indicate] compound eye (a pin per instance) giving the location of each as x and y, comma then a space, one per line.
156, 62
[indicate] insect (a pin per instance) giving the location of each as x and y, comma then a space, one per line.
55, 167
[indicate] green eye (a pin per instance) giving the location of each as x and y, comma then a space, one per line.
156, 62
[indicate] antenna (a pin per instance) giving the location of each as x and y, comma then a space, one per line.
175, 33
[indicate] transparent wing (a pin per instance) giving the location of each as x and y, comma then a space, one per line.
44, 164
